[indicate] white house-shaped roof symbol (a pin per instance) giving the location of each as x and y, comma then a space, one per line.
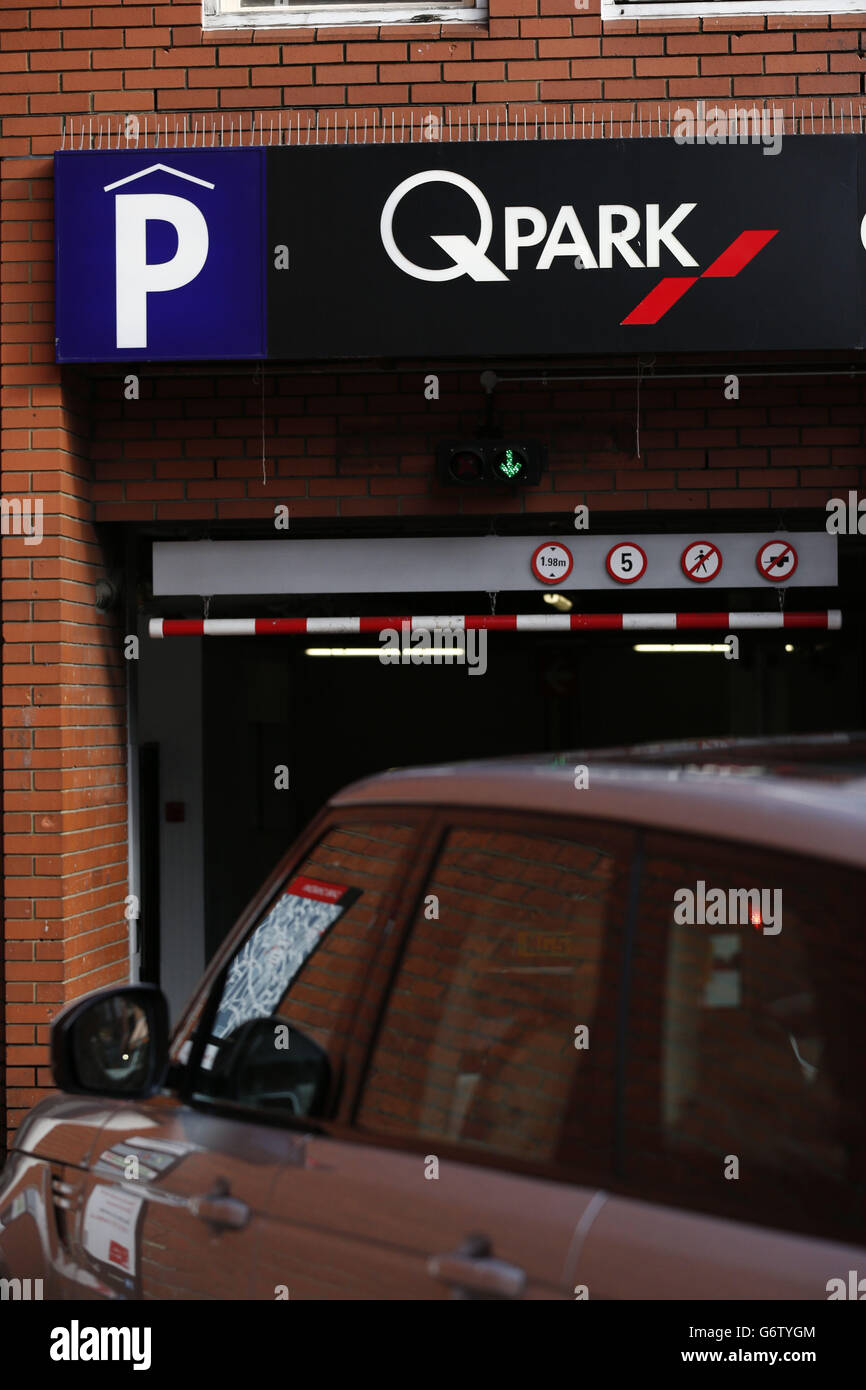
154, 169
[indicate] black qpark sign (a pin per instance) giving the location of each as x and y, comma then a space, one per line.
452, 250
617, 246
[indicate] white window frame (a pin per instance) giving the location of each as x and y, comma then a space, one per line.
227, 14
705, 9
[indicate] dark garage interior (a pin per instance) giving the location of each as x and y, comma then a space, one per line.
332, 719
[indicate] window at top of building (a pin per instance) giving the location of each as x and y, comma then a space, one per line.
685, 9
234, 14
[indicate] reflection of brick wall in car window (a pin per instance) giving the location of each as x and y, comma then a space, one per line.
478, 1042
720, 1014
365, 856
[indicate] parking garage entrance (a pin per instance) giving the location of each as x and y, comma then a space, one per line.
328, 712
244, 732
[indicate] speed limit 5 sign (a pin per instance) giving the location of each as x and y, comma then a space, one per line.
626, 562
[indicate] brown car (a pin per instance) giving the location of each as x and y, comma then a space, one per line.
584, 1026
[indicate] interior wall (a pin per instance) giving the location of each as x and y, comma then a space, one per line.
170, 715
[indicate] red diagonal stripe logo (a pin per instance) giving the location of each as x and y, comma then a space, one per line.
662, 298
669, 291
739, 253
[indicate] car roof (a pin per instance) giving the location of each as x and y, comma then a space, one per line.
804, 794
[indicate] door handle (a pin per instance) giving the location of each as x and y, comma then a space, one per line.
219, 1208
473, 1272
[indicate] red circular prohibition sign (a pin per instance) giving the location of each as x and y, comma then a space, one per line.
709, 551
789, 559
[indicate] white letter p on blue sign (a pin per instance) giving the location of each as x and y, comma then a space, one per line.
135, 278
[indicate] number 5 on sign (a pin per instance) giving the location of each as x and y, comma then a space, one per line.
626, 562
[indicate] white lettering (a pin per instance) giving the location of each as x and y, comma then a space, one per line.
513, 239
135, 277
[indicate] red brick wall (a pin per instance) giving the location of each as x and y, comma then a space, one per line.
352, 444
64, 755
99, 56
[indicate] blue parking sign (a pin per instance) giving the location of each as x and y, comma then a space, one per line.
159, 255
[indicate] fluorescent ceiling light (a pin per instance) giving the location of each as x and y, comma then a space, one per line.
427, 653
344, 651
677, 647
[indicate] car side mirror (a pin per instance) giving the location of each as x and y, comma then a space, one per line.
112, 1043
268, 1064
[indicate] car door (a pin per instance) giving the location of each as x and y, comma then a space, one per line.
741, 1168
46, 1166
468, 1161
177, 1200
299, 980
173, 1206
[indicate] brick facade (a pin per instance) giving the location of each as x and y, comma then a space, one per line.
345, 444
351, 445
105, 58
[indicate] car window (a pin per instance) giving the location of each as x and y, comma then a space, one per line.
498, 1035
744, 1091
297, 977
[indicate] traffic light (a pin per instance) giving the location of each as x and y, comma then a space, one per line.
508, 463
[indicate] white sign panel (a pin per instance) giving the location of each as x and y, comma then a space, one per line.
478, 564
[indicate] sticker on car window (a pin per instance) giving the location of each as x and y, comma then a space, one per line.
266, 964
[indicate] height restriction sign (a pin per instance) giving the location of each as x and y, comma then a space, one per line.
777, 560
701, 561
552, 562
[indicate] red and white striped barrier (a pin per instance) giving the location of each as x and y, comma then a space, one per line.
504, 622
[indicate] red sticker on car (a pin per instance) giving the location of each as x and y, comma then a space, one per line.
315, 888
